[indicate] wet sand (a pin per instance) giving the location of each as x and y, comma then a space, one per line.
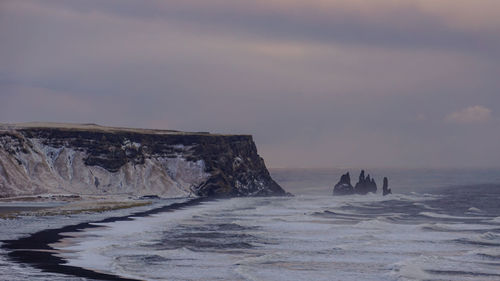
12, 209
16, 209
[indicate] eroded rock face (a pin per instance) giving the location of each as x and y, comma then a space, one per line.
365, 185
343, 187
101, 160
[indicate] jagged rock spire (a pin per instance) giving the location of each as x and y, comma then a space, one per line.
365, 184
343, 187
362, 176
385, 188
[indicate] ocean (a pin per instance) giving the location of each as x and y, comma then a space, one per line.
439, 224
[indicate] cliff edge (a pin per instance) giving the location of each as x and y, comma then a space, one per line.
87, 159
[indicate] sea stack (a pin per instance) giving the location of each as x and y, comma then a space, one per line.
365, 185
343, 187
385, 188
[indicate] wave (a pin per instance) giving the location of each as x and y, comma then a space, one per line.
450, 217
491, 253
474, 210
457, 227
438, 268
409, 270
378, 223
462, 273
339, 215
419, 204
490, 236
485, 239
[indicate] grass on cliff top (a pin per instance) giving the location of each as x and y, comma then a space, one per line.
96, 127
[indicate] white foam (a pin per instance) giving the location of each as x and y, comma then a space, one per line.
289, 242
444, 216
409, 270
474, 210
457, 227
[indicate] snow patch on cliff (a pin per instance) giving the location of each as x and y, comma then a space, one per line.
48, 169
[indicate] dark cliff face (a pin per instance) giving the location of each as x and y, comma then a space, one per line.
231, 161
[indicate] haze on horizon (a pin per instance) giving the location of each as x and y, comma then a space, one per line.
318, 83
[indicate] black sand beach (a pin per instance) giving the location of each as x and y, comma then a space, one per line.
35, 250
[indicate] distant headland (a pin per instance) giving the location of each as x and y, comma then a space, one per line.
88, 159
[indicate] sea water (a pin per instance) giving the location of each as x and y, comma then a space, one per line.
438, 225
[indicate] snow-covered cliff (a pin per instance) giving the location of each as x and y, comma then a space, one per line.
90, 159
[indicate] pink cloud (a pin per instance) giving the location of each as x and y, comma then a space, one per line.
470, 115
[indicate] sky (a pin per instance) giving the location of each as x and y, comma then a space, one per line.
318, 83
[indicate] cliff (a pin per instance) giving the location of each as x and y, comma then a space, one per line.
89, 159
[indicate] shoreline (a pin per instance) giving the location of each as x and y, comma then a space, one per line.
35, 249
12, 210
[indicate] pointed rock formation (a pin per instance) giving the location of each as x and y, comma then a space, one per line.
362, 176
365, 184
385, 189
343, 187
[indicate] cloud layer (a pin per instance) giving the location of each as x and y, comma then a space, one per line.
318, 83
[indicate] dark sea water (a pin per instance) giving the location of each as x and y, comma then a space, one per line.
438, 225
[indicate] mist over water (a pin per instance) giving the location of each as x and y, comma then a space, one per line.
438, 225
402, 180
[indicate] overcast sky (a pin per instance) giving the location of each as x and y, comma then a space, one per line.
318, 83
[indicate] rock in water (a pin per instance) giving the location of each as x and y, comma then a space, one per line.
365, 185
385, 189
40, 158
343, 187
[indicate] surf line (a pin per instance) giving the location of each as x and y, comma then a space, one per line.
35, 249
